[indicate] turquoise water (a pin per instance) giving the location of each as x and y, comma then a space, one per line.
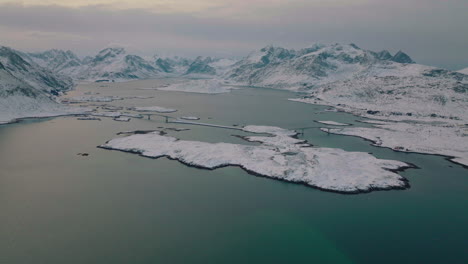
114, 207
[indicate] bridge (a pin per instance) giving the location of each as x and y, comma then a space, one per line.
303, 129
171, 119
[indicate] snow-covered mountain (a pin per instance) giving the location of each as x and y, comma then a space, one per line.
303, 69
23, 68
399, 92
208, 66
464, 71
348, 75
64, 62
201, 66
114, 64
198, 67
172, 65
26, 88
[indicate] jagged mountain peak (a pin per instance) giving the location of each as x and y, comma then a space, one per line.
312, 66
384, 55
201, 66
114, 50
402, 57
108, 54
53, 53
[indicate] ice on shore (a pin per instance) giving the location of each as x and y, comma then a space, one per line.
132, 115
107, 114
332, 123
157, 109
373, 122
89, 118
280, 156
210, 86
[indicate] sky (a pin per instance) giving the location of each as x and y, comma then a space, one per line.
432, 32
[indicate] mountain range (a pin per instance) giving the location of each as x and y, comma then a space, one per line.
115, 64
338, 70
318, 64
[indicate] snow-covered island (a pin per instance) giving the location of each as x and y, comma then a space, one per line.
89, 98
122, 119
190, 118
157, 109
280, 156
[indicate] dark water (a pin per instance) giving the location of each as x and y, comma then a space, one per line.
114, 207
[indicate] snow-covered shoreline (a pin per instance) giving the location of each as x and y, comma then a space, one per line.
56, 111
332, 123
409, 122
447, 141
280, 156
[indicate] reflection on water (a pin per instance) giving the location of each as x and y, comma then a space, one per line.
113, 207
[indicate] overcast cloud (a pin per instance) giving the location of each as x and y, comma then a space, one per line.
433, 32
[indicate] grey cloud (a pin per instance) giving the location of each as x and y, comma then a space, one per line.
432, 32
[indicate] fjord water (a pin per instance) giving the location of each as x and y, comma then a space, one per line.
115, 207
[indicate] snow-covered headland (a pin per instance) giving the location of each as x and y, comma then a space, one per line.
449, 140
421, 109
280, 156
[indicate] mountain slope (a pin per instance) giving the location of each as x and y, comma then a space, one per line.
64, 62
464, 71
172, 65
21, 67
303, 69
399, 92
114, 64
27, 89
